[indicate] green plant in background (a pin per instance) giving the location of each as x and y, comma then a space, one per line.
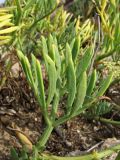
67, 76
7, 30
23, 14
6, 25
108, 11
81, 7
110, 27
33, 17
43, 18
21, 17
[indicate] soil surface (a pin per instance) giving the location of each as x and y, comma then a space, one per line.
19, 107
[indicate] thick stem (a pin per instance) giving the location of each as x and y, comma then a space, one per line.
43, 109
61, 120
45, 136
94, 155
70, 116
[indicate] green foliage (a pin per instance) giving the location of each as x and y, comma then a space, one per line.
92, 156
62, 70
100, 109
7, 30
33, 17
108, 11
104, 85
45, 18
66, 48
91, 83
110, 25
6, 25
15, 156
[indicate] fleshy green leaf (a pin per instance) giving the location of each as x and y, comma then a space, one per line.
26, 67
57, 58
44, 50
85, 61
104, 85
34, 72
52, 75
40, 84
76, 48
81, 93
44, 45
51, 47
91, 83
71, 79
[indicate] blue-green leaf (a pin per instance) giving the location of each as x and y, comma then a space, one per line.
71, 79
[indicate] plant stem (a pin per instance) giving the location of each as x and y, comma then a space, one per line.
92, 156
108, 121
45, 136
78, 112
43, 109
61, 120
67, 117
